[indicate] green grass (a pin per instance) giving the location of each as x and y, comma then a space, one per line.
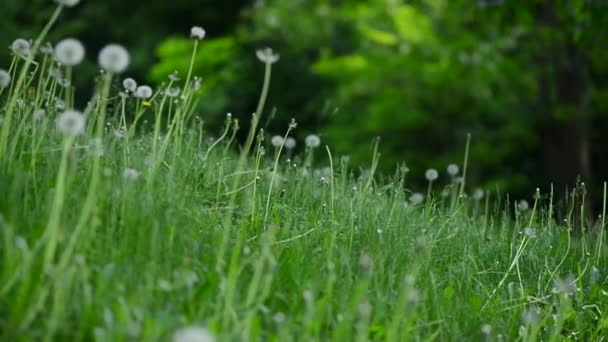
259, 247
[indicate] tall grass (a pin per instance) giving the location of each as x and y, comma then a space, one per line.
124, 234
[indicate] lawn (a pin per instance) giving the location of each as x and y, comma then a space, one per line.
129, 221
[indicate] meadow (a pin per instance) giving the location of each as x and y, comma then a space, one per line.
129, 221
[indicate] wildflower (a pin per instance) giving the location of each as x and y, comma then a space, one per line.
277, 141
47, 49
312, 141
174, 77
267, 56
523, 205
478, 194
96, 147
129, 84
69, 52
130, 174
416, 198
413, 297
114, 58
279, 317
71, 123
453, 170
173, 92
21, 47
39, 114
290, 143
566, 286
196, 83
59, 104
197, 32
68, 3
365, 308
530, 232
486, 329
143, 92
531, 317
5, 78
431, 175
193, 334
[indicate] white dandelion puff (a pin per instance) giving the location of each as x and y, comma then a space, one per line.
68, 3
71, 123
69, 52
129, 84
5, 78
431, 175
197, 32
416, 198
21, 47
174, 77
39, 114
453, 170
277, 141
486, 329
566, 286
193, 334
312, 141
173, 92
290, 143
523, 205
530, 232
47, 49
266, 55
114, 58
143, 92
130, 174
478, 194
195, 85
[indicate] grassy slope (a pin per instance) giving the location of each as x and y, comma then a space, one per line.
150, 258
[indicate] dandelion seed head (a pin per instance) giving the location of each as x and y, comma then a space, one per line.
174, 76
130, 174
69, 52
416, 198
47, 49
71, 123
59, 104
566, 286
68, 3
5, 78
486, 329
431, 175
523, 205
197, 32
196, 83
173, 92
530, 232
276, 141
312, 141
266, 55
129, 84
21, 47
39, 114
114, 58
290, 143
143, 92
453, 170
478, 194
193, 334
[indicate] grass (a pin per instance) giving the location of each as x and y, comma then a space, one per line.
174, 228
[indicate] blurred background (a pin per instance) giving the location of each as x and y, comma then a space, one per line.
528, 79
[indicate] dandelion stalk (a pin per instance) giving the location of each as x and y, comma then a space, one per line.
52, 228
21, 80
